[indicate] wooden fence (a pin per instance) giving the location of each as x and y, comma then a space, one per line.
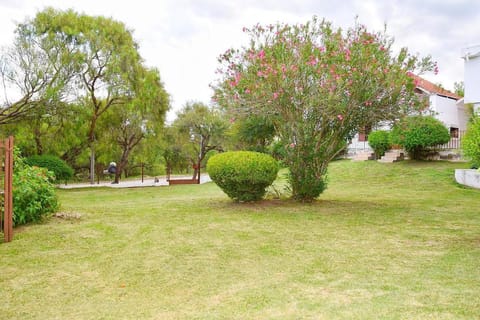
6, 219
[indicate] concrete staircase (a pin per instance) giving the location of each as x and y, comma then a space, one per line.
393, 156
364, 156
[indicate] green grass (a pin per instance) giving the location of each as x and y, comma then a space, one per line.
385, 241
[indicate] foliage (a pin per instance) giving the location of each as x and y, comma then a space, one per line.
31, 73
33, 194
203, 130
101, 96
61, 170
318, 85
459, 88
126, 127
379, 141
253, 133
243, 175
417, 133
471, 141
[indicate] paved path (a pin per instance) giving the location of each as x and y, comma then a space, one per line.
150, 182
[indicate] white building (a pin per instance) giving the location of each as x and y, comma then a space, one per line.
471, 55
444, 105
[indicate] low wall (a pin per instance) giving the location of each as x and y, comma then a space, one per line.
468, 177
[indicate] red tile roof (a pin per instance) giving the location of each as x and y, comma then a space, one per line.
428, 86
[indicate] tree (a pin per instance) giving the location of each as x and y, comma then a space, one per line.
459, 88
471, 141
253, 133
128, 125
417, 133
103, 55
318, 85
204, 127
31, 73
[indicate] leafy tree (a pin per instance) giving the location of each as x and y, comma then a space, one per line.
143, 115
204, 127
103, 55
31, 73
254, 133
459, 88
417, 133
318, 85
177, 150
471, 141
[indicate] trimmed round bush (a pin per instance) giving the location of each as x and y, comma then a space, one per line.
471, 142
243, 175
60, 168
417, 133
380, 142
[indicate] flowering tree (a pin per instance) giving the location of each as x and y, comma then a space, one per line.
318, 85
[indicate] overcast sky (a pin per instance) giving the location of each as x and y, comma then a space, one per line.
183, 38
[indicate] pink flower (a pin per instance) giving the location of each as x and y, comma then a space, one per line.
313, 61
292, 145
275, 95
247, 91
261, 54
232, 120
340, 117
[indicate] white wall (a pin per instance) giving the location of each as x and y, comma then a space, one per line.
447, 111
472, 78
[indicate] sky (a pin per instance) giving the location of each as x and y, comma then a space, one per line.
183, 38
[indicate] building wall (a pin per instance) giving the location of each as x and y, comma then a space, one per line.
472, 79
447, 111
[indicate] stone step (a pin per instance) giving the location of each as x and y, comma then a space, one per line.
364, 156
392, 156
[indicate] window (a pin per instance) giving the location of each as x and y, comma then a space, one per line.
454, 132
363, 133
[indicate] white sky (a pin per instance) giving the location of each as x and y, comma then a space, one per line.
183, 38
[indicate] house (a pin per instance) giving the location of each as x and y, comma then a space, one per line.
471, 55
444, 105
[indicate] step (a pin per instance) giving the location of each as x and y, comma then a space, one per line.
392, 156
364, 156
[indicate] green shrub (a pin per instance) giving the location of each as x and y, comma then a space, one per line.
33, 194
243, 175
61, 170
417, 133
380, 142
471, 142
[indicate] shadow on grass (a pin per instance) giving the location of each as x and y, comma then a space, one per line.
320, 207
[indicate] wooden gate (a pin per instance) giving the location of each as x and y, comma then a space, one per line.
6, 154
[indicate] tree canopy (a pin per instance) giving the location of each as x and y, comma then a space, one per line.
318, 84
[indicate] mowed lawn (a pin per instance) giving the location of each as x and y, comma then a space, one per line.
385, 241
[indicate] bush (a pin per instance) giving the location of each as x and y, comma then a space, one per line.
33, 194
61, 170
243, 175
471, 142
380, 142
417, 133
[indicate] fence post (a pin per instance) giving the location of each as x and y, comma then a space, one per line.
8, 196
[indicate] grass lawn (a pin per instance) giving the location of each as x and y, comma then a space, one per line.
385, 241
